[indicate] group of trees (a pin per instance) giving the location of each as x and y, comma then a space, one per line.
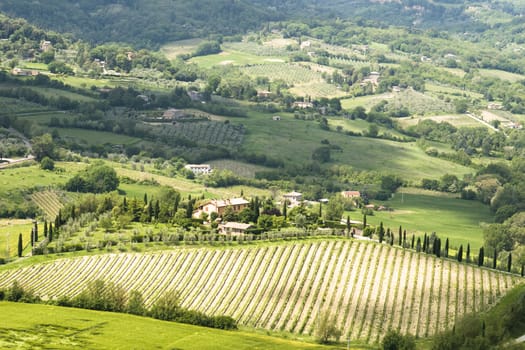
109, 296
97, 178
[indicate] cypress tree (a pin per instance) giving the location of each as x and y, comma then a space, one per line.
156, 210
522, 269
425, 242
36, 230
460, 253
124, 204
509, 262
404, 238
468, 252
418, 245
381, 232
20, 245
446, 248
391, 239
437, 247
481, 256
73, 211
413, 240
400, 234
32, 237
50, 233
320, 210
364, 221
348, 224
285, 210
145, 199
45, 228
495, 259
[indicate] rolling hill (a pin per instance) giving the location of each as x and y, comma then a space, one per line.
367, 287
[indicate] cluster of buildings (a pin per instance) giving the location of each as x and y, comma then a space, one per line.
236, 205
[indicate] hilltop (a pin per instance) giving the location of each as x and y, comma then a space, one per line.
153, 23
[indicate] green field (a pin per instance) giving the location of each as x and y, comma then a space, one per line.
9, 231
500, 74
457, 120
93, 137
293, 141
29, 326
420, 211
236, 58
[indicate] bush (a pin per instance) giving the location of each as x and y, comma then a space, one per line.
47, 163
393, 340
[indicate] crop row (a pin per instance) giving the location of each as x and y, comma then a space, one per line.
365, 287
48, 201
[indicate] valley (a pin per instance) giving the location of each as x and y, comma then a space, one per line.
265, 166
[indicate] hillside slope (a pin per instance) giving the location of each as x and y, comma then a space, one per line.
368, 287
69, 328
153, 22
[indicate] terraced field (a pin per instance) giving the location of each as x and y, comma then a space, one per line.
367, 287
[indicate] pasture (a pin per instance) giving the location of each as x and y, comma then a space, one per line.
66, 328
457, 120
294, 141
181, 47
93, 137
236, 58
495, 73
367, 287
419, 211
9, 231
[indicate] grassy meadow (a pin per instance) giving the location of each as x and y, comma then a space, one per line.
420, 211
31, 326
9, 231
294, 141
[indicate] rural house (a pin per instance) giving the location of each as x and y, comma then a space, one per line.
351, 194
219, 206
199, 169
173, 113
234, 228
24, 72
294, 198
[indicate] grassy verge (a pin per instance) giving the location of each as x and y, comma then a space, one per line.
44, 326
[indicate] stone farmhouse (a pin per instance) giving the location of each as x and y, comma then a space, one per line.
219, 206
234, 228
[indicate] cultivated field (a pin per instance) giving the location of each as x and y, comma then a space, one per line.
367, 287
420, 211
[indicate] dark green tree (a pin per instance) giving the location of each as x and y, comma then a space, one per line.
509, 262
413, 240
381, 232
468, 252
460, 253
393, 340
481, 256
364, 221
446, 249
20, 245
495, 259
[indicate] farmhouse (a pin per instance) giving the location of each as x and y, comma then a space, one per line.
351, 194
195, 96
293, 197
24, 72
173, 113
276, 117
45, 46
199, 169
303, 105
263, 93
234, 228
219, 206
